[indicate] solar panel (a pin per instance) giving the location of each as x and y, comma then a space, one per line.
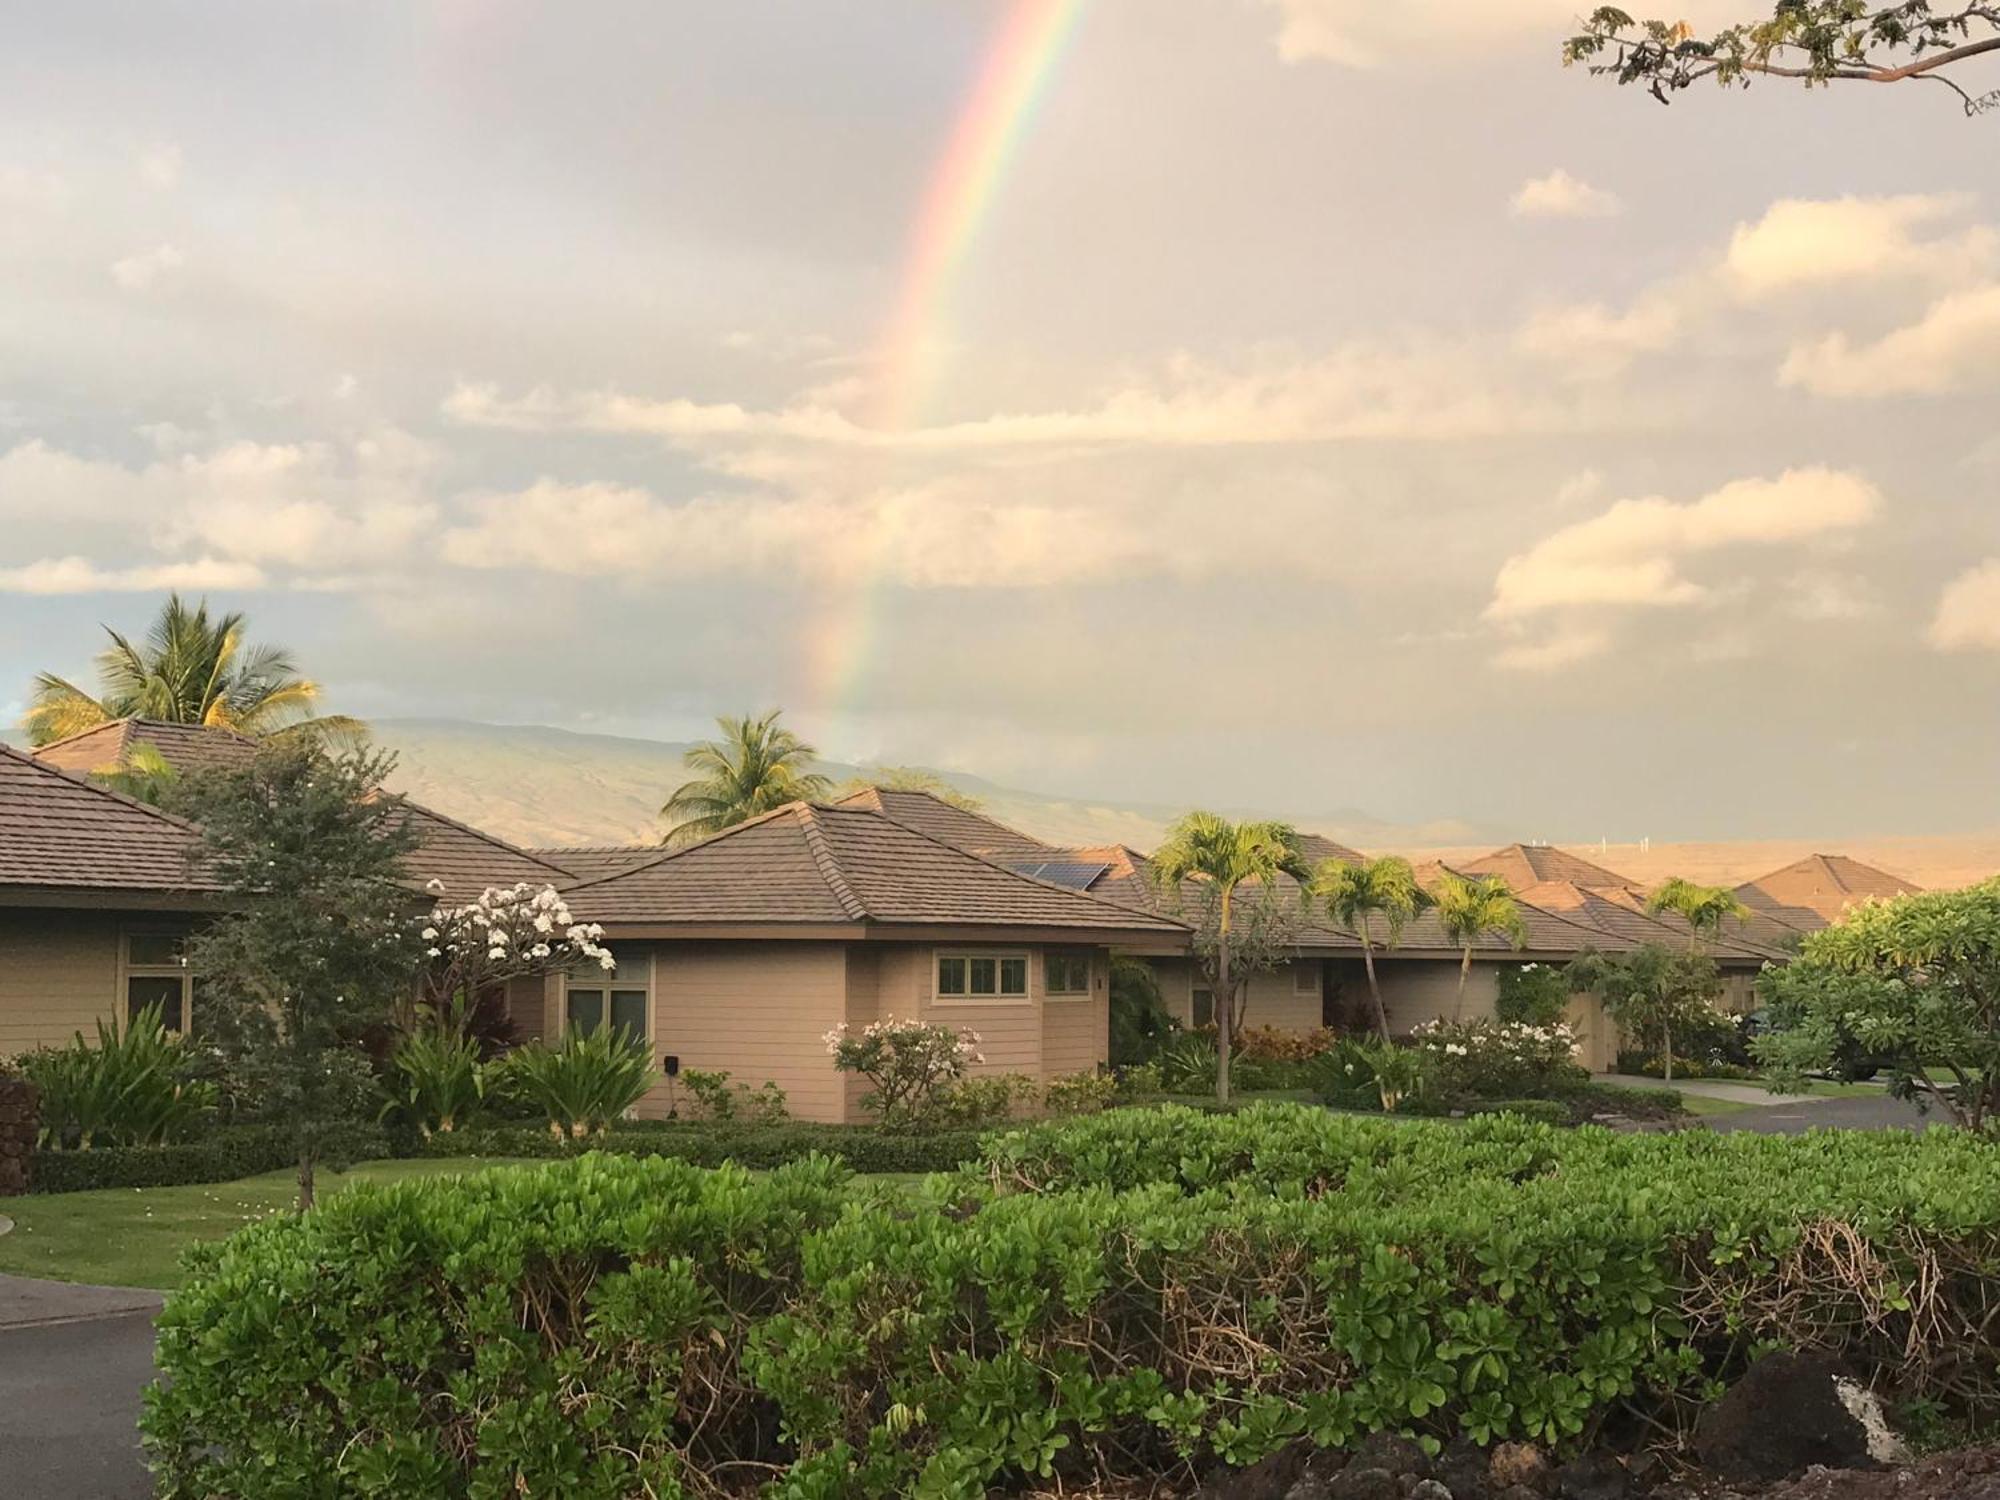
1076, 875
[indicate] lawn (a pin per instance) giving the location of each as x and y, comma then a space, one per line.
135, 1236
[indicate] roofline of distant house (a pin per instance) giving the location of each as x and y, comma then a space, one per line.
110, 898
869, 931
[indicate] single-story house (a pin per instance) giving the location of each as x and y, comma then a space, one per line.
1811, 893
741, 952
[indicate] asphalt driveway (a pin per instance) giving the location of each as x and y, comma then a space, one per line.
1795, 1117
73, 1360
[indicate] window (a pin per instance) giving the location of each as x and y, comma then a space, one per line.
156, 973
1305, 977
970, 977
619, 996
1067, 974
1204, 1007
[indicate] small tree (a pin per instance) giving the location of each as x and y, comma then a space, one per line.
1653, 993
1356, 894
913, 1065
1470, 909
510, 932
1915, 981
1206, 861
317, 942
1814, 41
1703, 907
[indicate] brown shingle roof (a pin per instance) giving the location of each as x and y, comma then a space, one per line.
1812, 892
1523, 865
60, 831
840, 865
595, 861
185, 747
1621, 913
1318, 848
467, 861
958, 826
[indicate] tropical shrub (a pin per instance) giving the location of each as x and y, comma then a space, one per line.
131, 1089
1188, 1063
586, 1082
1533, 994
1106, 1299
435, 1080
865, 1148
910, 1065
220, 1153
714, 1097
1500, 1059
1273, 1044
1080, 1094
1140, 1020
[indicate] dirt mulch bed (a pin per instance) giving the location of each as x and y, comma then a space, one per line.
1969, 1474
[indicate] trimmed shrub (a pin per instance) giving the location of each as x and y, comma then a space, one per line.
1272, 1044
1080, 1094
865, 1148
717, 1098
223, 1154
1114, 1297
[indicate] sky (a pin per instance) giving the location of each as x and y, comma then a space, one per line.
1315, 404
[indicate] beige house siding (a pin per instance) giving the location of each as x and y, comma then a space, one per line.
1010, 1031
756, 1011
62, 972
1076, 1034
1273, 999
1596, 1037
1176, 980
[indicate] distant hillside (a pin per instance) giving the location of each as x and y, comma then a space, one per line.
540, 786
1940, 862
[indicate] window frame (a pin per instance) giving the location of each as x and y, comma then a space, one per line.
1307, 969
1068, 956
637, 977
970, 996
1195, 992
179, 969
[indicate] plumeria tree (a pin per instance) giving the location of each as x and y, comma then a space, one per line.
912, 1065
509, 932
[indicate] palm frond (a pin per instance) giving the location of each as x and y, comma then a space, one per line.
59, 708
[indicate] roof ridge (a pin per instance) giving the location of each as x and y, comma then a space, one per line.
79, 734
667, 853
1048, 885
84, 781
828, 863
881, 792
479, 833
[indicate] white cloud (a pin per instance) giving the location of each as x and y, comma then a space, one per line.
1631, 555
1595, 340
1968, 612
160, 166
1830, 242
1821, 596
1552, 655
1955, 346
137, 272
1562, 196
79, 575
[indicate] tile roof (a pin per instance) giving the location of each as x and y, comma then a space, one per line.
1621, 913
61, 831
1318, 848
931, 814
467, 861
1523, 865
1812, 892
595, 861
840, 865
185, 747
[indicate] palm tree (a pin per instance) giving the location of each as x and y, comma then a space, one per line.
1703, 907
1469, 910
909, 779
144, 775
189, 669
1209, 851
757, 765
1356, 894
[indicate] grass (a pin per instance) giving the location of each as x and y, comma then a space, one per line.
135, 1236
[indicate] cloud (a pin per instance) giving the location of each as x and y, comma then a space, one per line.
1552, 655
160, 166
1955, 346
1376, 33
79, 575
1630, 556
1830, 242
1595, 340
1561, 196
1968, 611
137, 272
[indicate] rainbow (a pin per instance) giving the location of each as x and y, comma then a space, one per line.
1018, 64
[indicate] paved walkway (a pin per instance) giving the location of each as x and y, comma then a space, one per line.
1854, 1113
73, 1360
1711, 1088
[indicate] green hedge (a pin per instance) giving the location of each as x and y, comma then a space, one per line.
865, 1148
1116, 1296
223, 1154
